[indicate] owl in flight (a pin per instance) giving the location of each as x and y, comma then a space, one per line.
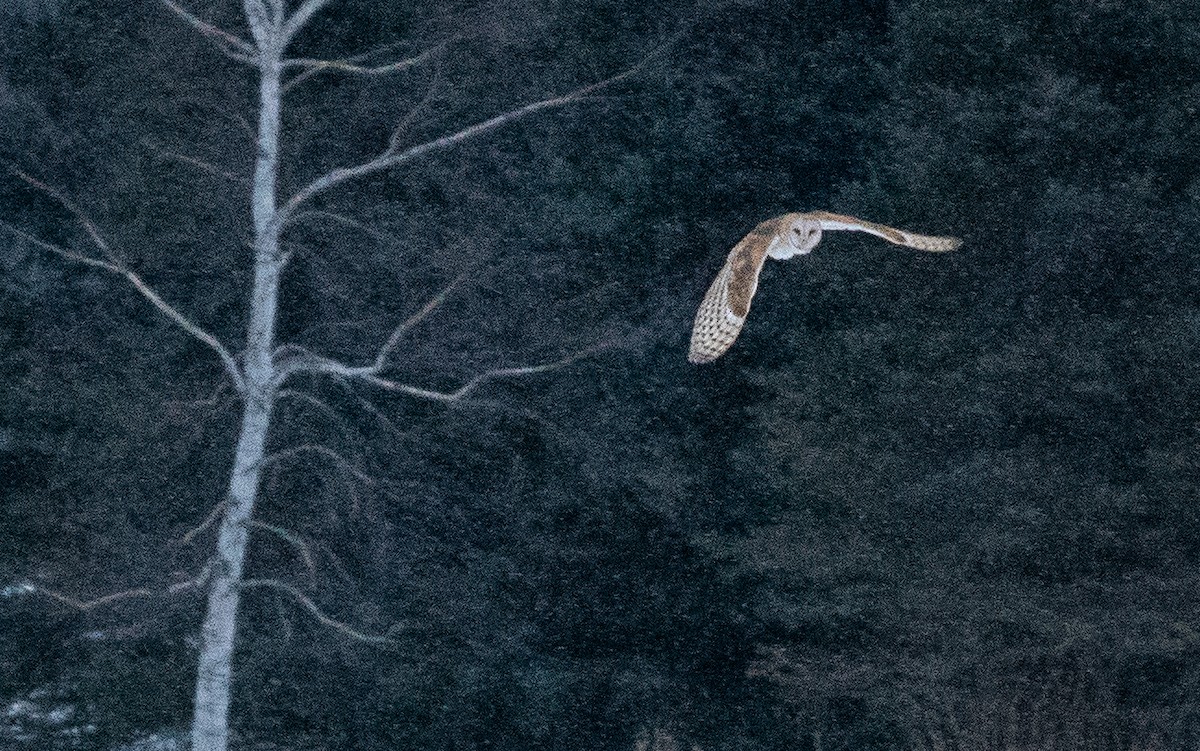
724, 308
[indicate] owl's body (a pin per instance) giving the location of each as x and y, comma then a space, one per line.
725, 307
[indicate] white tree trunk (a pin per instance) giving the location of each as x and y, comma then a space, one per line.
257, 374
214, 680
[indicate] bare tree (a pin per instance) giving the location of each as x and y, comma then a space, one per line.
260, 370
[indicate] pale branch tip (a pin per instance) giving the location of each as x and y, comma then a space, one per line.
343, 426
346, 66
94, 603
366, 405
366, 229
370, 373
415, 111
317, 613
88, 225
58, 249
231, 366
303, 354
196, 162
353, 64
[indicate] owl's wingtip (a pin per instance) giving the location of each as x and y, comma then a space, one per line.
938, 244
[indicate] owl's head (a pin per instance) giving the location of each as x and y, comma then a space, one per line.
798, 235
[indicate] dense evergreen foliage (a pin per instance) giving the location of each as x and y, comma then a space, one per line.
924, 500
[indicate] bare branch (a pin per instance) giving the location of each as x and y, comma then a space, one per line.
412, 114
301, 17
200, 164
211, 404
199, 580
337, 458
463, 391
262, 25
357, 64
115, 266
311, 606
88, 225
59, 250
349, 65
333, 414
434, 302
292, 539
213, 515
98, 602
369, 374
376, 234
387, 423
230, 364
109, 599
231, 45
393, 157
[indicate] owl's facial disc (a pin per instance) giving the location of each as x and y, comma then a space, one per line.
805, 237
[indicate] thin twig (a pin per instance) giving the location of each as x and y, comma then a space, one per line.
355, 64
343, 426
311, 606
463, 391
210, 404
434, 302
196, 162
88, 225
370, 373
108, 599
414, 111
337, 458
348, 65
231, 45
377, 234
98, 602
293, 539
301, 17
213, 515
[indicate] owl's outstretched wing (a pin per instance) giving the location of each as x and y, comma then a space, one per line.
891, 234
724, 308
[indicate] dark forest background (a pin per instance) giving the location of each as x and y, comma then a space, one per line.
925, 499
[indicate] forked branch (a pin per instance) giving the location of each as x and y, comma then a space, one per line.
394, 156
370, 374
433, 304
112, 264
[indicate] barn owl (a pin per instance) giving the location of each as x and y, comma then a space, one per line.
724, 308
